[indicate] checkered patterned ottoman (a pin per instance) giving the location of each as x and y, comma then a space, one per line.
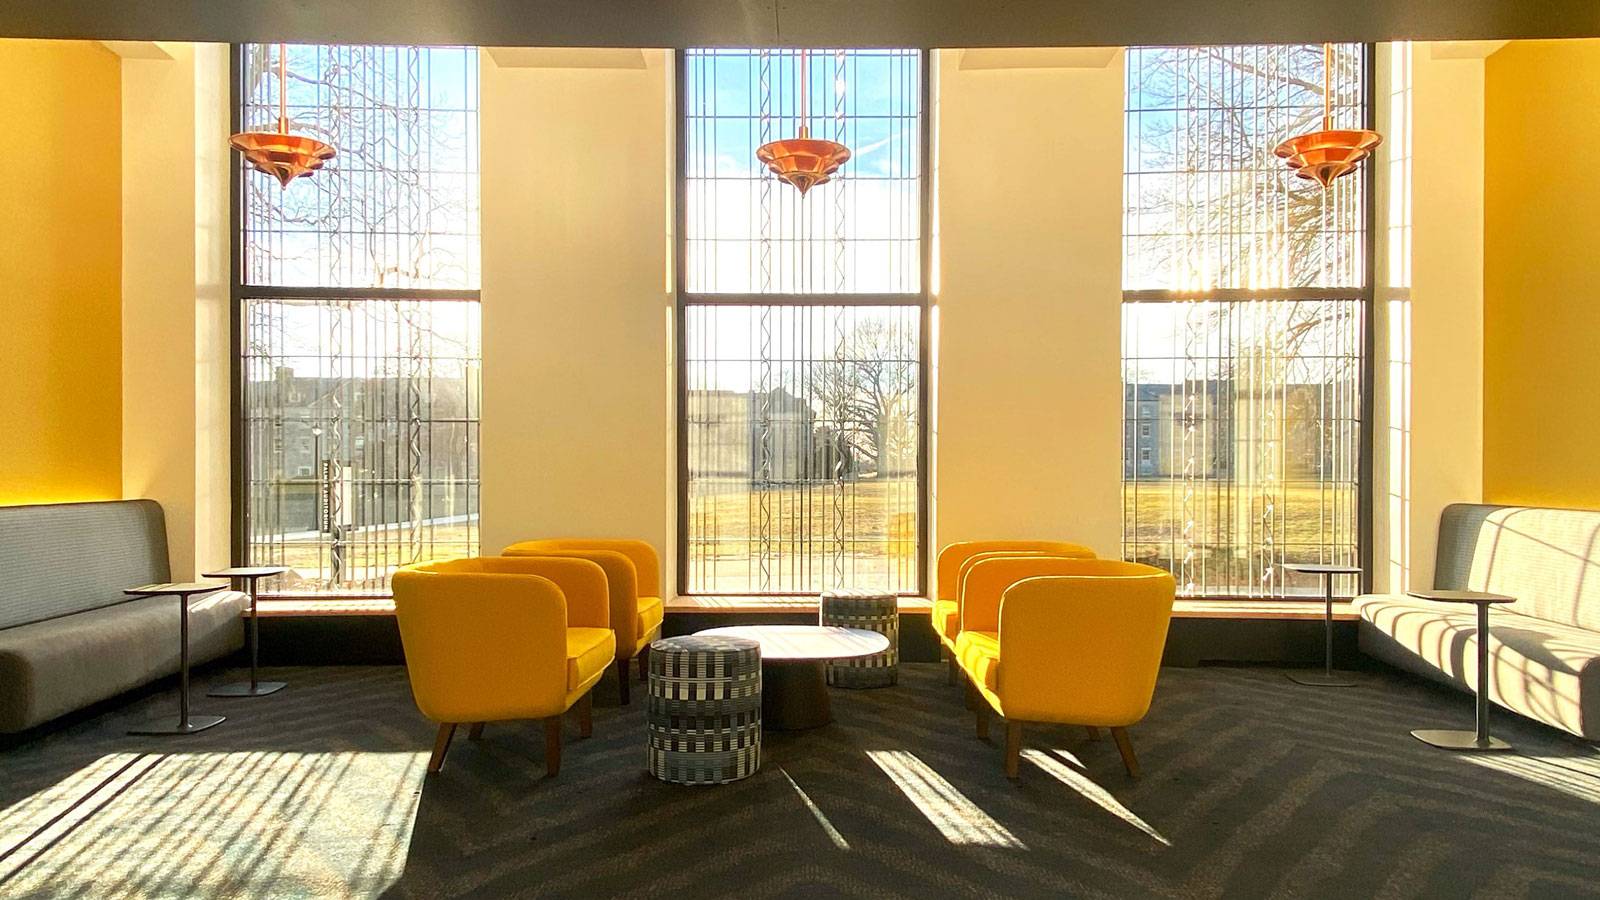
704, 713
872, 611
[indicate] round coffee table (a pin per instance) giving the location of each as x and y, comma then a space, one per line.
794, 688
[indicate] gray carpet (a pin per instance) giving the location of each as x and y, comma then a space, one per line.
1253, 787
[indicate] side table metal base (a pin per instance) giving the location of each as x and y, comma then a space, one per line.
1453, 739
175, 725
1320, 680
243, 689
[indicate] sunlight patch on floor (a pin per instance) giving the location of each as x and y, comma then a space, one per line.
247, 824
1065, 768
821, 817
956, 817
1555, 773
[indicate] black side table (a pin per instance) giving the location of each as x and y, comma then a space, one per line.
1327, 571
1478, 739
250, 575
184, 723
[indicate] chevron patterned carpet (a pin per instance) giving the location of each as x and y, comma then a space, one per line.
1253, 787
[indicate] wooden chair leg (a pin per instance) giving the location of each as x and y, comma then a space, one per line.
970, 698
552, 745
441, 744
622, 680
955, 668
982, 712
1094, 733
475, 733
644, 663
1013, 747
586, 713
1125, 747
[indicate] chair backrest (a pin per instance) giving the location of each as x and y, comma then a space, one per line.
646, 563
947, 571
1549, 559
57, 559
1085, 647
481, 645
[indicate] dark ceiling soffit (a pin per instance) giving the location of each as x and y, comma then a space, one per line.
816, 23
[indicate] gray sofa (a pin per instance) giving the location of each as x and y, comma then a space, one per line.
69, 637
1544, 649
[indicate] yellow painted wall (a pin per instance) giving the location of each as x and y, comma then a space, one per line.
1028, 415
576, 169
60, 272
1542, 274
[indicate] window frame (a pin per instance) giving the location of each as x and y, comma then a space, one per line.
240, 293
1365, 295
683, 299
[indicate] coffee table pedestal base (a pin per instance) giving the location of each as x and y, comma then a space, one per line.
794, 695
175, 725
1453, 739
243, 689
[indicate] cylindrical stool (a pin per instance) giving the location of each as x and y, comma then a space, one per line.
872, 611
704, 714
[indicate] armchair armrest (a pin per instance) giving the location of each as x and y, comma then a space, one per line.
622, 587
583, 582
986, 583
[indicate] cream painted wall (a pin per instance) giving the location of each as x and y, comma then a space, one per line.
1429, 397
1027, 413
175, 347
60, 272
576, 169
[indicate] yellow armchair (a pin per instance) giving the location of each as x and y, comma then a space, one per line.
499, 638
957, 559
633, 576
1074, 641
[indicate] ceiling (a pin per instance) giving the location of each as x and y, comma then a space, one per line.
815, 23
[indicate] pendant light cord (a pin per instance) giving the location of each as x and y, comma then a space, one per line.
1327, 87
283, 89
805, 125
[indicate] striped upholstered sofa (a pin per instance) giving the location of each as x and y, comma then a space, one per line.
1544, 649
69, 637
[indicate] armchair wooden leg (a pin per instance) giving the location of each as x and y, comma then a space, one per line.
475, 733
586, 713
970, 698
644, 663
1013, 747
1125, 747
622, 680
1094, 733
955, 667
982, 712
552, 745
441, 744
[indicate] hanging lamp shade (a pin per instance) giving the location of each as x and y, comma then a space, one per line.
1325, 155
803, 161
280, 154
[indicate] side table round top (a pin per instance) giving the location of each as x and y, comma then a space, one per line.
1461, 596
179, 589
803, 642
246, 572
1322, 568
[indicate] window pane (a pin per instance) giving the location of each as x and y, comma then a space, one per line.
803, 448
362, 423
398, 206
1241, 441
1207, 204
748, 233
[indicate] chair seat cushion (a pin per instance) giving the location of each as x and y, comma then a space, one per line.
1544, 670
651, 610
589, 651
946, 619
979, 653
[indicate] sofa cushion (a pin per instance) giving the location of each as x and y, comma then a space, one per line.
1549, 559
63, 558
1544, 670
53, 667
979, 653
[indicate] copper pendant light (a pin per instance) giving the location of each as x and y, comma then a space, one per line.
280, 154
803, 161
1322, 156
